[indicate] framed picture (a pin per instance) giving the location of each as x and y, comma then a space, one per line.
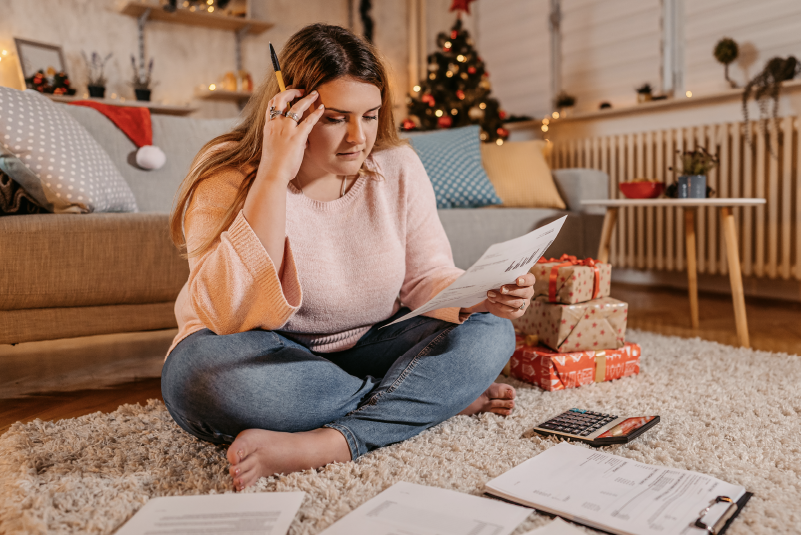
34, 56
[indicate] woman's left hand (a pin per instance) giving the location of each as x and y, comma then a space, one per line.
510, 301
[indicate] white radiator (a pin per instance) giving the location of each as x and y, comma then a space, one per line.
653, 238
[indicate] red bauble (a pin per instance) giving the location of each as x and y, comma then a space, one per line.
460, 94
454, 34
408, 124
503, 132
502, 114
445, 121
471, 70
428, 99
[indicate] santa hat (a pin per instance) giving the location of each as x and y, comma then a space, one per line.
134, 123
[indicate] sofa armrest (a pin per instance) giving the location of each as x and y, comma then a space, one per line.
576, 185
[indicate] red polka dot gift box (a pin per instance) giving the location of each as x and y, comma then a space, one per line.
571, 280
551, 371
595, 325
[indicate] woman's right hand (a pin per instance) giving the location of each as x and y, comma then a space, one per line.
284, 138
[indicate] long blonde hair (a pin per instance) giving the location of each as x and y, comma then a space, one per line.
315, 55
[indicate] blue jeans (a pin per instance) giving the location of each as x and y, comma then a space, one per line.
390, 386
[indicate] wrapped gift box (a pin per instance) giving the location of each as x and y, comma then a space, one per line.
549, 370
570, 280
594, 325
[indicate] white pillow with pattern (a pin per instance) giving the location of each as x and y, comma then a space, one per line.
55, 159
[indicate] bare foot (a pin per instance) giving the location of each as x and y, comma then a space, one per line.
258, 453
498, 398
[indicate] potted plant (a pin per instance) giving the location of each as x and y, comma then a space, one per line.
767, 85
142, 79
97, 77
564, 102
695, 164
644, 93
726, 51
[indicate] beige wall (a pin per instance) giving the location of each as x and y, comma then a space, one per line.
186, 57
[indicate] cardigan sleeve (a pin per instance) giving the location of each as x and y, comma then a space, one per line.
429, 260
235, 286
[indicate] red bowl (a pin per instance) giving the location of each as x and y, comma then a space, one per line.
641, 190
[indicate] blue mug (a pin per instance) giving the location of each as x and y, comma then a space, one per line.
692, 187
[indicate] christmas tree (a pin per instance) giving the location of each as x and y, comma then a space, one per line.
456, 90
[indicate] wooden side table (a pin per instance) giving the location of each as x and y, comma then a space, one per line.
690, 208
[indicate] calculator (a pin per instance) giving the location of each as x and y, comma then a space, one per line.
596, 428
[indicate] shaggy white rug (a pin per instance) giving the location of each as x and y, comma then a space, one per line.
732, 413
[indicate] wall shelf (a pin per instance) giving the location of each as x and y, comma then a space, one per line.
728, 95
223, 94
195, 18
163, 109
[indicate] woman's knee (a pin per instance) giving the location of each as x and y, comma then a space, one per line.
216, 387
492, 338
199, 378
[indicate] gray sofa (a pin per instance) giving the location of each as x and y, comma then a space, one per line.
68, 276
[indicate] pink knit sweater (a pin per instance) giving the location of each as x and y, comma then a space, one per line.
348, 263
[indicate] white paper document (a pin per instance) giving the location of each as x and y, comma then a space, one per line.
501, 264
263, 513
409, 509
614, 493
556, 527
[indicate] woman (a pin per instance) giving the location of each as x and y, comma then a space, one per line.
306, 232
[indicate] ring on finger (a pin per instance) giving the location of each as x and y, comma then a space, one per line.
275, 113
294, 116
523, 305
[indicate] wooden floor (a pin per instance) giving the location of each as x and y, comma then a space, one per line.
773, 326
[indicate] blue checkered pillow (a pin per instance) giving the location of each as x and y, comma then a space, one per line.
452, 159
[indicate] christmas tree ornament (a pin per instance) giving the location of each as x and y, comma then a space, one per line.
444, 122
485, 84
471, 69
408, 124
460, 94
476, 113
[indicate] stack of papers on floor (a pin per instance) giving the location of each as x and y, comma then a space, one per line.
619, 495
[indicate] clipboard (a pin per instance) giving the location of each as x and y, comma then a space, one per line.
735, 509
723, 523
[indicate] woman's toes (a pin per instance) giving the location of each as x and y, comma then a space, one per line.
502, 404
508, 392
240, 449
500, 391
246, 480
236, 453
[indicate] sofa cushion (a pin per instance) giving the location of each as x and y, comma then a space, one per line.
52, 260
55, 159
521, 175
179, 137
452, 159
